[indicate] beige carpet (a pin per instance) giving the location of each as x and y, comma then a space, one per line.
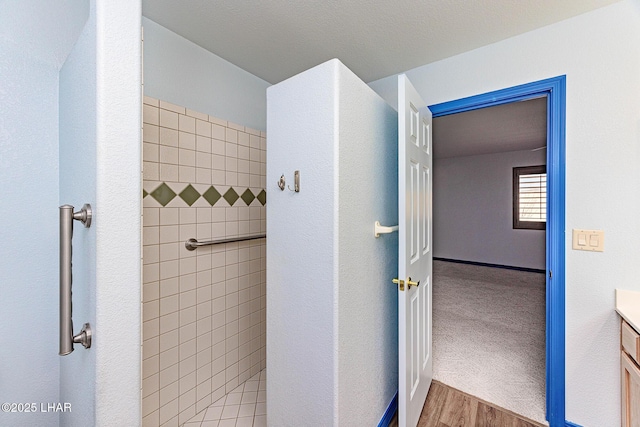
489, 335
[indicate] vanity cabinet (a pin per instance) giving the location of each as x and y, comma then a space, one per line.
630, 371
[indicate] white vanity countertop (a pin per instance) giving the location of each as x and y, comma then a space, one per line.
628, 306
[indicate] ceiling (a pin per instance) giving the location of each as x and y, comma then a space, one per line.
508, 127
276, 39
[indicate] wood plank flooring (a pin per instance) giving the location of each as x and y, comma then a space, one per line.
448, 407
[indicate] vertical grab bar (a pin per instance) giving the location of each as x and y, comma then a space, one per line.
67, 339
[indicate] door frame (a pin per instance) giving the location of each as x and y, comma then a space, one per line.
555, 90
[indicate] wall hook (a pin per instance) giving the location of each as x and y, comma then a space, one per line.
296, 182
281, 182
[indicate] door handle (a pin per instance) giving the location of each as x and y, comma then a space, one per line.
409, 283
67, 339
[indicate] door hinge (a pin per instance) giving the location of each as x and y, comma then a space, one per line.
550, 274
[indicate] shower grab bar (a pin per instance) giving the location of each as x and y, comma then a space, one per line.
192, 243
67, 339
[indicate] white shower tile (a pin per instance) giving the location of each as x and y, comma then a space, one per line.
203, 127
203, 176
150, 385
186, 140
188, 371
243, 138
187, 299
218, 162
150, 254
169, 305
187, 216
235, 126
243, 152
188, 333
254, 141
150, 273
169, 340
172, 107
218, 131
150, 310
218, 146
169, 322
150, 404
203, 160
186, 157
150, 366
151, 114
151, 133
151, 172
168, 358
170, 377
187, 231
168, 173
151, 101
187, 281
197, 115
169, 233
187, 349
231, 135
187, 174
168, 137
150, 152
168, 119
150, 291
203, 144
186, 124
167, 413
151, 328
217, 120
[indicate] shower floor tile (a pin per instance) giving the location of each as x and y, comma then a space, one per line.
245, 406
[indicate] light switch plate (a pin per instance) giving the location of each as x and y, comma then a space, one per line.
588, 240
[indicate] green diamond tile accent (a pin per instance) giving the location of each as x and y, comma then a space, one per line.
189, 195
144, 193
248, 196
231, 196
163, 194
262, 197
211, 195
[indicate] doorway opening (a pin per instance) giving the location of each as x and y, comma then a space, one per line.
553, 90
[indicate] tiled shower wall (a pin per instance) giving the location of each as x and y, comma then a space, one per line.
204, 319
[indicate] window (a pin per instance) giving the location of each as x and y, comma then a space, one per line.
530, 197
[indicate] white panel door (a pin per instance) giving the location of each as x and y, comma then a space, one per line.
415, 256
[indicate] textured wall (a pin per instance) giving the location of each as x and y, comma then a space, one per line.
203, 310
473, 210
181, 72
35, 39
602, 139
118, 206
332, 341
78, 186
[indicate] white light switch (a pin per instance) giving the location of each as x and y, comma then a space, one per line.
588, 240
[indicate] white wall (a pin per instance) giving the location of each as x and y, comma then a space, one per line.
118, 211
597, 53
35, 38
331, 313
181, 72
473, 210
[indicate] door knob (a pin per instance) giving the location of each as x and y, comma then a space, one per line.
408, 282
400, 283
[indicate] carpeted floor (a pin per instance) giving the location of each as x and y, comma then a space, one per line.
489, 335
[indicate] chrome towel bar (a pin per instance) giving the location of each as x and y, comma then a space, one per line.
192, 244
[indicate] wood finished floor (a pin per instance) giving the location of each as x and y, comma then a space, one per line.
448, 407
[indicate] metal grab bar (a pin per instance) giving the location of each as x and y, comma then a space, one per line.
192, 243
67, 339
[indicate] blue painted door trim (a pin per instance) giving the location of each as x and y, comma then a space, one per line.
555, 91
